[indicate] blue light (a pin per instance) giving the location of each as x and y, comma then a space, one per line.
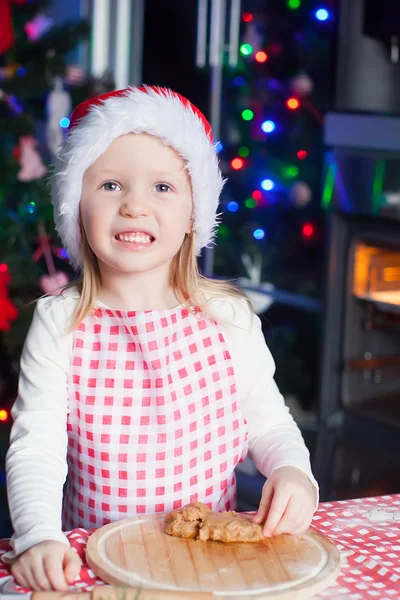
64, 122
274, 84
239, 81
259, 234
218, 147
13, 104
31, 207
322, 14
63, 253
268, 126
267, 184
233, 206
21, 72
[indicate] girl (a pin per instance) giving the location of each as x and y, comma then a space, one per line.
146, 382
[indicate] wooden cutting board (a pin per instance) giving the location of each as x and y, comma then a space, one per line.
136, 552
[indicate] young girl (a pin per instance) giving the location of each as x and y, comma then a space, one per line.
146, 382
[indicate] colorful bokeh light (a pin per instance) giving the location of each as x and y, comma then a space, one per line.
233, 206
267, 184
308, 230
247, 115
261, 56
321, 14
259, 234
247, 17
292, 103
268, 126
246, 49
237, 163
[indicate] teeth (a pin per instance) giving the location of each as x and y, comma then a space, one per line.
139, 238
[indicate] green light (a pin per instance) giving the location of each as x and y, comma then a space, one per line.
329, 186
250, 203
243, 151
246, 49
247, 114
290, 171
293, 4
377, 186
223, 231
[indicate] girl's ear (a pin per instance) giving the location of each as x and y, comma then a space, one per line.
190, 228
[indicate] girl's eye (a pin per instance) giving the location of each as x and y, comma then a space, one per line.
162, 187
111, 186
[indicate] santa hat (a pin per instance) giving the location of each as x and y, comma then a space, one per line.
159, 112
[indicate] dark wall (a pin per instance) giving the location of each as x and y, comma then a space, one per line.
170, 50
367, 80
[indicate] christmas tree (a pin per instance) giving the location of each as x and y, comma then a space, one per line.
37, 91
272, 231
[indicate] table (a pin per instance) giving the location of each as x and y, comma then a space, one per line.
366, 531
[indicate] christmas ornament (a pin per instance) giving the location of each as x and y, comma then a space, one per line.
6, 28
9, 72
16, 152
261, 302
302, 84
300, 194
74, 75
11, 101
253, 37
37, 27
30, 160
55, 281
8, 311
233, 135
58, 108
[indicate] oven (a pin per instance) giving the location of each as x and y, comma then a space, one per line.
358, 446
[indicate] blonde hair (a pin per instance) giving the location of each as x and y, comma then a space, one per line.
191, 288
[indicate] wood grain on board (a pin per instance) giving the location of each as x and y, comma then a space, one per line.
138, 554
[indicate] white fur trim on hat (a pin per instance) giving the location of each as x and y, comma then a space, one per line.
160, 114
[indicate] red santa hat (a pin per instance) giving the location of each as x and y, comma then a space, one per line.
159, 112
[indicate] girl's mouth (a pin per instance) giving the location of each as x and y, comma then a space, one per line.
135, 239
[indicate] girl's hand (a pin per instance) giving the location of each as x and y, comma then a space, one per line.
49, 565
287, 503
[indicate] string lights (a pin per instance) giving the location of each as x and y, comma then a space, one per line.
282, 178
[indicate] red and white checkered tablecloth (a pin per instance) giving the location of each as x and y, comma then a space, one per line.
366, 531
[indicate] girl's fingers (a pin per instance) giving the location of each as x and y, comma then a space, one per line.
304, 523
291, 518
55, 573
72, 565
265, 504
20, 579
39, 576
276, 510
29, 580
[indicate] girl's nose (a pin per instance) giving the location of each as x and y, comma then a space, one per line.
133, 206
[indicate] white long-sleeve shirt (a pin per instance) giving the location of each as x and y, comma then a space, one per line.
36, 463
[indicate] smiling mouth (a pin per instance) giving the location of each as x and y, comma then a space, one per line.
144, 239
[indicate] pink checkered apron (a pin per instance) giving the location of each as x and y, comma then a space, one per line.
154, 420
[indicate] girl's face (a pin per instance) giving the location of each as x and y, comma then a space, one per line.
136, 205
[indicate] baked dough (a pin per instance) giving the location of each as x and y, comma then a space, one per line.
186, 522
198, 521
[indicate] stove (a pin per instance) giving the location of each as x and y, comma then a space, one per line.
359, 400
